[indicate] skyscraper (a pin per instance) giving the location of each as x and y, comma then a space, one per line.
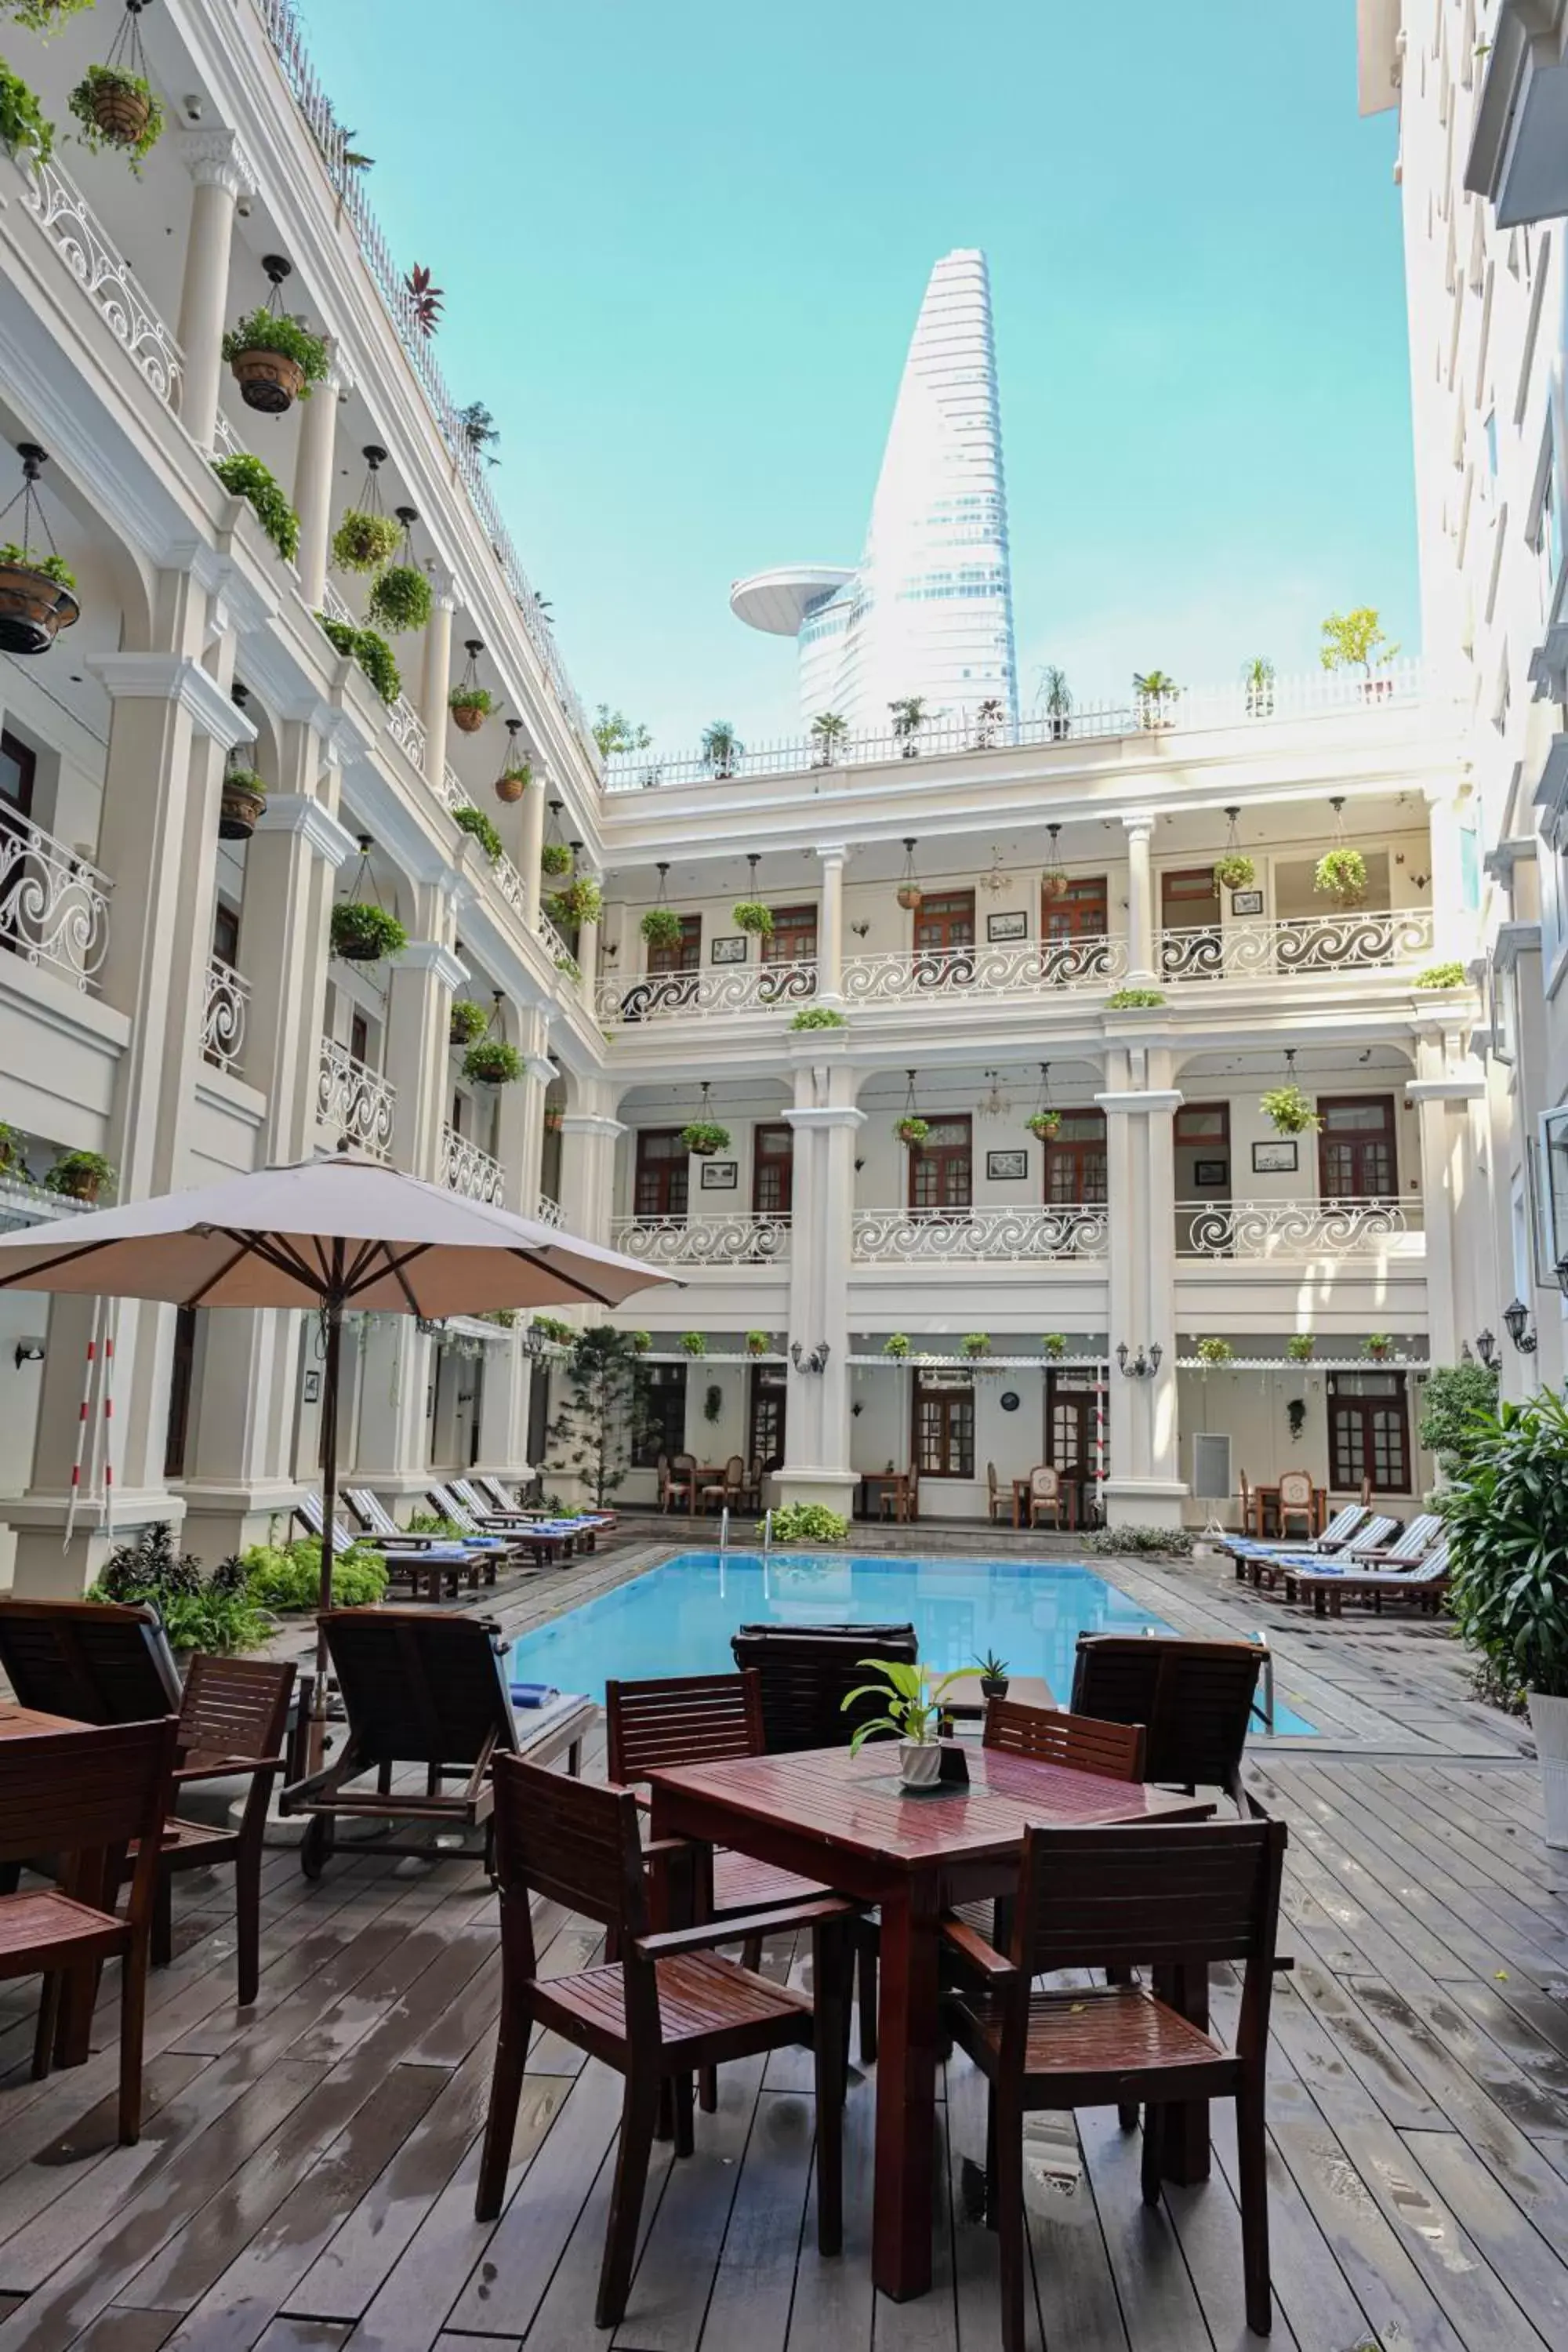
929, 610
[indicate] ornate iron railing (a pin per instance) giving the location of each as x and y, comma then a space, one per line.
54, 905
64, 212
1022, 968
466, 1169
735, 1239
1262, 1229
227, 442
225, 1011
722, 988
1350, 941
940, 1237
549, 1211
404, 726
335, 606
353, 1099
555, 946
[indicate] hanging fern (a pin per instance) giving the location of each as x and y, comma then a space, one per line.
400, 599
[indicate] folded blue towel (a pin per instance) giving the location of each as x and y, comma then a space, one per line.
534, 1693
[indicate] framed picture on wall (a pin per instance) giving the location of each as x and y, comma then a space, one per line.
1007, 1167
313, 1388
1013, 925
1247, 902
1211, 1175
719, 1175
1275, 1159
731, 950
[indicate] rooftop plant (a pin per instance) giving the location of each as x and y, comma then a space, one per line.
492, 1062
908, 716
245, 477
400, 600
1355, 640
117, 109
24, 126
819, 1016
474, 822
363, 542
1258, 684
1215, 1352
614, 732
1155, 690
828, 729
1441, 975
721, 747
274, 330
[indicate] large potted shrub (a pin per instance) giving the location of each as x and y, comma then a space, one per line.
1507, 1514
79, 1175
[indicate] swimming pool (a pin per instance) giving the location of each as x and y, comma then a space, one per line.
677, 1618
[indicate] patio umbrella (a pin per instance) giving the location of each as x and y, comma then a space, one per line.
341, 1235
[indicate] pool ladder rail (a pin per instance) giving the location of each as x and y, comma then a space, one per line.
724, 1529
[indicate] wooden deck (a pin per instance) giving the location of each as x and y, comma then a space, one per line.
305, 2179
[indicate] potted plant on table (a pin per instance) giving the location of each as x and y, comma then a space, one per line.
912, 1697
79, 1175
993, 1672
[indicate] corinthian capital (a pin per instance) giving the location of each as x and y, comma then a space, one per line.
217, 158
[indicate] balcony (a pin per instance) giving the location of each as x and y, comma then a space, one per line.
1358, 941
1519, 148
225, 1010
736, 1240
466, 1169
353, 1101
948, 1236
1293, 1230
549, 1211
107, 278
720, 988
54, 905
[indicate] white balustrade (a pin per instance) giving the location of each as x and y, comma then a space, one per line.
92, 258
1022, 968
735, 1239
354, 1100
334, 605
1297, 1229
466, 1169
404, 726
714, 988
225, 1011
227, 442
1350, 940
54, 905
548, 1212
944, 1236
555, 946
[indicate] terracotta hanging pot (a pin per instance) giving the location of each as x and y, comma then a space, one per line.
270, 380
510, 789
468, 717
243, 803
1054, 884
911, 898
33, 607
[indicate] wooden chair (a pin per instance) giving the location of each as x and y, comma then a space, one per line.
86, 1796
1178, 1897
806, 1672
1048, 1735
1297, 1501
670, 2006
725, 1492
1193, 1700
97, 1661
999, 1505
1045, 1494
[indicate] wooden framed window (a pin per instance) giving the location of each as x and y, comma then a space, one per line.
943, 923
177, 1431
944, 1432
1189, 900
792, 939
225, 933
18, 774
661, 1420
686, 955
359, 1038
773, 1171
766, 1416
662, 1186
1076, 1160
1083, 912
1369, 1433
942, 1172
1357, 1153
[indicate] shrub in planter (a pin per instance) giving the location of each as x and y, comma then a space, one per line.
569, 965
692, 1343
1298, 1347
1133, 1000
471, 706
215, 1614
289, 1576
13, 1157
993, 1672
579, 902
641, 1341
895, 1345
363, 932
1055, 1344
556, 858
974, 1343
247, 477
662, 927
117, 109
808, 1523
1147, 1543
751, 916
466, 1021
818, 1016
244, 798
1215, 1352
36, 599
275, 359
757, 1343
24, 126
400, 599
474, 821
554, 1329
373, 655
1441, 975
1288, 1111
1234, 872
704, 1137
492, 1062
1046, 1124
363, 542
1340, 874
1377, 1345
1456, 1408
912, 1131
79, 1175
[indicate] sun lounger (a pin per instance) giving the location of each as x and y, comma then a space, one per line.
1415, 1540
433, 1571
398, 1544
1339, 1531
1265, 1565
545, 1540
587, 1524
1425, 1584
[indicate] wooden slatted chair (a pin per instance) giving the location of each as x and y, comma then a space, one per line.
97, 1661
807, 1671
1180, 1896
86, 1796
1192, 1698
1048, 1735
669, 2007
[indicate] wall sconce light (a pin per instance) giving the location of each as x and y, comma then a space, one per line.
813, 1359
1516, 1319
29, 1352
1486, 1348
1144, 1364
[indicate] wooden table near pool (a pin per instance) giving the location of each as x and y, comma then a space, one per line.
844, 1819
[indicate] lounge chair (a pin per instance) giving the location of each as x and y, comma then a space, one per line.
436, 1572
398, 1544
1263, 1565
1425, 1584
1192, 1698
1415, 1539
588, 1524
1338, 1532
544, 1541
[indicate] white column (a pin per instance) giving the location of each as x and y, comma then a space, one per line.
588, 1134
424, 978
1142, 965
438, 675
313, 475
830, 936
1455, 1206
588, 957
519, 1141
223, 172
1144, 1487
1454, 923
816, 1434
530, 849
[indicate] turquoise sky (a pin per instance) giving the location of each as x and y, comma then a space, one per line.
683, 247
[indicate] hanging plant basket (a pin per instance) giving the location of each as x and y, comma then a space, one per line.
1340, 874
492, 1063
662, 927
912, 1131
400, 600
244, 800
79, 1175
1288, 1111
117, 109
751, 916
470, 706
364, 933
365, 541
1054, 883
704, 1137
465, 1022
35, 600
1234, 872
556, 858
579, 902
274, 360
1046, 1124
512, 782
911, 898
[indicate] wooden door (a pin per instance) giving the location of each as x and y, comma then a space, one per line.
773, 1171
1357, 1154
663, 1178
766, 1416
1083, 912
1190, 902
942, 1172
1075, 1174
944, 924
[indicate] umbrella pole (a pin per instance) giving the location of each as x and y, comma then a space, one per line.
334, 1321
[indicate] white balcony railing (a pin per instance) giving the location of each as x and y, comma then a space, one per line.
736, 1240
54, 905
404, 726
93, 260
466, 1169
549, 1211
354, 1100
1341, 942
951, 733
555, 946
1297, 1229
225, 1010
1023, 967
715, 988
942, 1236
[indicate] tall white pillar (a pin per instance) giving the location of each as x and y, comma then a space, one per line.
588, 957
824, 1118
1141, 966
588, 1134
438, 675
313, 475
1454, 920
223, 172
424, 978
531, 848
830, 936
1456, 1209
1144, 1487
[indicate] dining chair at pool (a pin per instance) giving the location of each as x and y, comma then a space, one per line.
724, 1494
1192, 1698
999, 1505
1297, 1501
807, 1672
1133, 1898
669, 2007
1045, 1494
1050, 1734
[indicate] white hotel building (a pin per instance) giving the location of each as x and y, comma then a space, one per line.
167, 997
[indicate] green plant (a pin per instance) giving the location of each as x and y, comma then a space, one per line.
692, 1343
605, 1414
275, 330
912, 1131
1055, 1344
704, 1137
1215, 1352
1155, 690
363, 542
103, 82
1457, 1407
79, 1175
1046, 1124
1288, 1111
515, 771
51, 567
556, 858
1354, 640
641, 1340
24, 126
721, 747
1441, 975
828, 729
750, 915
471, 697
289, 1576
363, 932
433, 1523
1233, 871
895, 1345
613, 731
1507, 1518
45, 17
1298, 1347
372, 652
1257, 682
569, 964
400, 599
1152, 1543
1376, 1345
1342, 874
493, 1062
216, 1613
1133, 1000
474, 821
1053, 693
662, 927
245, 477
908, 716
990, 1667
818, 1016
466, 1021
974, 1343
11, 1150
579, 902
808, 1523
561, 1334
758, 1342
911, 1696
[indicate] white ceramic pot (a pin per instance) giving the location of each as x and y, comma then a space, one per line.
920, 1762
1549, 1721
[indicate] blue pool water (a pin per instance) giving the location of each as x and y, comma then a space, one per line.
678, 1619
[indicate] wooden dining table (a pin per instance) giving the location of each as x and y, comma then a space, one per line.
27, 1722
844, 1819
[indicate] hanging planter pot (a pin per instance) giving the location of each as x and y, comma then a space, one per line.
517, 775
704, 1137
662, 927
36, 591
911, 898
1341, 875
1054, 883
750, 915
466, 1021
492, 1063
1234, 871
556, 858
364, 540
1046, 1124
470, 703
912, 1131
364, 933
78, 1176
244, 800
274, 359
1288, 1111
400, 600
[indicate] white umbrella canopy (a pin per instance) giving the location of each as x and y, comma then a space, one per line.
339, 1235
